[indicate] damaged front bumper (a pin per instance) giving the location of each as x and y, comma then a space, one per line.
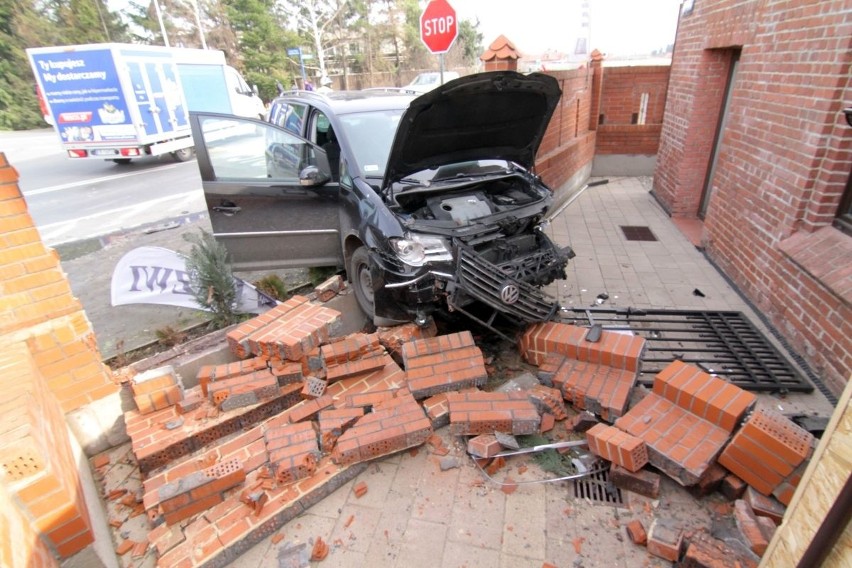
511, 287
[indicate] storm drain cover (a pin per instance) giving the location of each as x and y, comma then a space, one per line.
637, 233
598, 489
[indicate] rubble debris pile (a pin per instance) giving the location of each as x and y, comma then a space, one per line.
228, 462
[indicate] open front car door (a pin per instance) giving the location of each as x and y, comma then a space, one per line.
269, 194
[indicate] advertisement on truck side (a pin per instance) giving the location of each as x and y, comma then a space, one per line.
85, 97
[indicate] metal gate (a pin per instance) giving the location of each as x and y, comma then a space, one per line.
722, 343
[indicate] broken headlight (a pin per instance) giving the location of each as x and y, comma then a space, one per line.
417, 250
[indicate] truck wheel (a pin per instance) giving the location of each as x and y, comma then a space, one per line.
122, 161
362, 280
183, 155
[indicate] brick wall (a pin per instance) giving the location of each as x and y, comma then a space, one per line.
50, 365
782, 167
568, 144
622, 129
37, 466
38, 309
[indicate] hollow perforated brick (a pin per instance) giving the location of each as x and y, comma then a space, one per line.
768, 453
393, 425
181, 499
313, 387
262, 383
473, 413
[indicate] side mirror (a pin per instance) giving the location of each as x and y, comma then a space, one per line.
312, 176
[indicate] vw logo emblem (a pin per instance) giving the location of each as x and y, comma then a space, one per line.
510, 294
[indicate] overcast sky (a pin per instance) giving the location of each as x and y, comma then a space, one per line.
619, 27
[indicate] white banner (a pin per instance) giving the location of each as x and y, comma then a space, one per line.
155, 275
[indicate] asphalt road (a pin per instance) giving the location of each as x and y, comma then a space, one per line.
72, 200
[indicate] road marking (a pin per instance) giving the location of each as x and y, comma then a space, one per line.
58, 233
95, 180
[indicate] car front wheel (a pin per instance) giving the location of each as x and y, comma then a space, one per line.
362, 280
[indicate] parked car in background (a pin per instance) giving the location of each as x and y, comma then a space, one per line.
429, 203
425, 82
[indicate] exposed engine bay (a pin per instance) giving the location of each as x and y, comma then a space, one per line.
460, 205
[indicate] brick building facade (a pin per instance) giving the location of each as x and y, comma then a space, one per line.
755, 142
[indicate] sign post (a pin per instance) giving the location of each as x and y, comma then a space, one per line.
439, 29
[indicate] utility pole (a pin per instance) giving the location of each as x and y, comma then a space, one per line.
162, 25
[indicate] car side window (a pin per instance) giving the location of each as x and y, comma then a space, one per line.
323, 135
288, 115
243, 149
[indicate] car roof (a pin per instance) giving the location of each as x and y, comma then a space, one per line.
347, 102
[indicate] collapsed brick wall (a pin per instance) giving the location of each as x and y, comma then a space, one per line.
37, 307
782, 166
622, 128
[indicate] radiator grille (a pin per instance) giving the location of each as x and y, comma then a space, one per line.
485, 281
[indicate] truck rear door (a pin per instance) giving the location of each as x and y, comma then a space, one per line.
258, 208
157, 90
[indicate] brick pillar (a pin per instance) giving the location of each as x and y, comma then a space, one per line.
596, 65
501, 55
38, 471
38, 309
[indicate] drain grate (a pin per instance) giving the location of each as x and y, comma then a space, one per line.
598, 489
637, 233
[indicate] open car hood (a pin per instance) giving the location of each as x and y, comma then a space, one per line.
498, 115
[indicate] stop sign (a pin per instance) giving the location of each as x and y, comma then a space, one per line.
438, 26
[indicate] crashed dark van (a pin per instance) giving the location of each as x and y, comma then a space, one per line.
429, 203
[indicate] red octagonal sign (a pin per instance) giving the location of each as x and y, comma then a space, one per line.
438, 26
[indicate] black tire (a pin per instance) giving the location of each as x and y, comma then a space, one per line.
122, 161
362, 280
183, 155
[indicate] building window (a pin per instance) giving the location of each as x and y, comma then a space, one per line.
844, 212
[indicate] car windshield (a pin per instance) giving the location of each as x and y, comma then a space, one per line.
460, 171
370, 135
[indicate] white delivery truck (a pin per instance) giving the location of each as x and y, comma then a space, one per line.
119, 101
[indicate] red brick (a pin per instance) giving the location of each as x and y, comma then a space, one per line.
665, 540
732, 487
643, 482
636, 532
360, 489
749, 527
618, 447
484, 446
764, 506
704, 551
